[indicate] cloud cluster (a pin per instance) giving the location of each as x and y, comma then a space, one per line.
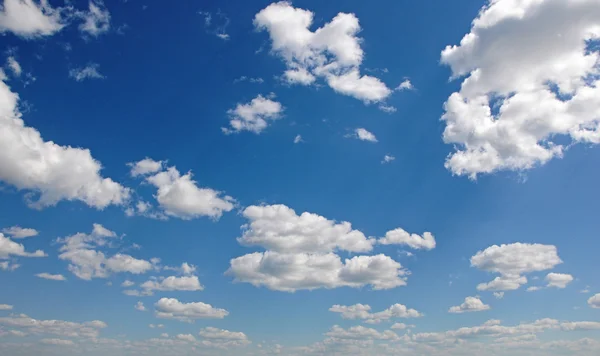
362, 311
9, 248
332, 52
531, 82
59, 328
253, 116
171, 308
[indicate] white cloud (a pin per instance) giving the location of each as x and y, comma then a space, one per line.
471, 304
170, 308
332, 51
388, 159
127, 284
17, 232
534, 289
145, 167
55, 172
158, 326
6, 307
96, 20
513, 260
7, 266
280, 229
401, 237
580, 325
299, 271
14, 66
387, 108
28, 19
172, 283
90, 329
216, 24
86, 263
585, 290
10, 248
52, 277
360, 333
179, 196
222, 339
140, 306
558, 280
90, 71
405, 85
594, 301
362, 311
499, 295
186, 337
363, 135
185, 269
253, 116
298, 139
400, 326
531, 82
58, 342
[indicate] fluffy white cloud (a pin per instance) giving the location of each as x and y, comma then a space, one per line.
145, 166
90, 71
185, 269
60, 328
10, 248
96, 19
363, 135
558, 280
531, 81
55, 172
52, 277
594, 301
280, 229
471, 304
14, 66
297, 271
513, 260
127, 284
140, 306
86, 263
186, 337
170, 308
179, 196
405, 85
332, 51
28, 19
17, 232
223, 339
401, 237
253, 116
362, 311
172, 283
6, 307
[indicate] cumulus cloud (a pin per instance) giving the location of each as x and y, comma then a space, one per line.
471, 304
145, 167
405, 85
332, 52
223, 339
253, 116
363, 135
170, 308
512, 261
359, 333
17, 232
86, 262
90, 71
96, 20
28, 19
52, 277
127, 284
60, 328
558, 280
140, 306
401, 237
9, 248
526, 89
54, 172
362, 311
173, 283
594, 301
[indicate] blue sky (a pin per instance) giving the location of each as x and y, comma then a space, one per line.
306, 178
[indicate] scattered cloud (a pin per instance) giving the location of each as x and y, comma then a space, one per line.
362, 311
594, 301
244, 78
401, 237
170, 308
363, 135
52, 277
90, 71
14, 66
388, 159
96, 19
253, 116
6, 307
28, 19
173, 283
60, 342
387, 108
524, 87
216, 24
298, 139
140, 306
60, 328
471, 304
17, 232
9, 248
127, 284
558, 280
145, 167
405, 85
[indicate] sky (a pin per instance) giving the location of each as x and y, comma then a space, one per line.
299, 178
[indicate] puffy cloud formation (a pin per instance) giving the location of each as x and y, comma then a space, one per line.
9, 248
558, 280
332, 52
253, 116
173, 283
59, 328
300, 253
362, 311
223, 339
170, 308
28, 19
145, 166
86, 262
471, 304
54, 172
140, 306
594, 301
17, 232
531, 80
401, 237
512, 261
96, 20
52, 277
363, 135
278, 228
359, 333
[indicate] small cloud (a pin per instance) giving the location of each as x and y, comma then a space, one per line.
387, 108
405, 85
387, 159
216, 24
298, 139
244, 78
88, 72
14, 66
363, 135
140, 306
52, 277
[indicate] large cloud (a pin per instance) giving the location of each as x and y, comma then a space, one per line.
9, 248
332, 51
531, 80
54, 172
28, 19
